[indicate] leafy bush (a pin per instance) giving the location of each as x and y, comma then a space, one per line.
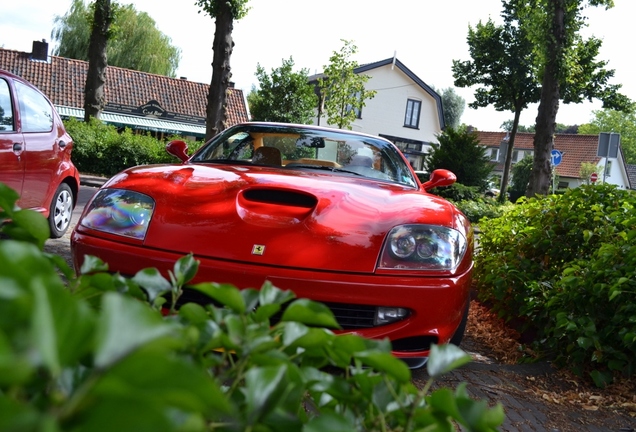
98, 353
479, 209
471, 201
460, 151
562, 268
102, 150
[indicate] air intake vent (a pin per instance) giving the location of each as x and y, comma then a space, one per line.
281, 197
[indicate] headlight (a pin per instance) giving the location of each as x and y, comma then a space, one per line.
121, 212
423, 247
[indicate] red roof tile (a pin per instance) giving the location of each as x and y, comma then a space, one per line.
575, 148
63, 79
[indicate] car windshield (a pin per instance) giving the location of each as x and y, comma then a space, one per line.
305, 148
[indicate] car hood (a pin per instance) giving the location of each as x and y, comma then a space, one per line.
279, 217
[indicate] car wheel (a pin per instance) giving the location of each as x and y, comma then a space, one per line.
61, 211
459, 333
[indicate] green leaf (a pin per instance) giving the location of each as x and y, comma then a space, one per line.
93, 264
153, 282
445, 358
269, 294
310, 313
386, 363
263, 389
585, 342
153, 375
298, 335
14, 369
330, 421
225, 294
601, 378
185, 269
124, 326
35, 224
8, 198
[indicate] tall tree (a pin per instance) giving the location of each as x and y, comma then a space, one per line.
459, 151
134, 41
521, 172
342, 92
503, 65
617, 122
97, 60
568, 69
284, 96
453, 105
224, 12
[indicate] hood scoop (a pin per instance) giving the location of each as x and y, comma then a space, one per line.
270, 207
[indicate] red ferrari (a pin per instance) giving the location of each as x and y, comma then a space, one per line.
335, 216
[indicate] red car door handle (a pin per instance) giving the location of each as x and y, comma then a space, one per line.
17, 147
62, 144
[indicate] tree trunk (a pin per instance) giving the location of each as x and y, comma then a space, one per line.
540, 177
503, 193
216, 112
94, 100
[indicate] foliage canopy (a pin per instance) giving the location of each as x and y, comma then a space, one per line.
459, 151
134, 40
342, 90
623, 123
283, 96
453, 106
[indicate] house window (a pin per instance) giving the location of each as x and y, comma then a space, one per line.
494, 154
515, 155
412, 117
608, 169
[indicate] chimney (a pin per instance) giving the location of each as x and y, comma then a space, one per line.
40, 50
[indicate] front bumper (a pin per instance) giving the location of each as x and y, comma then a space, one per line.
436, 303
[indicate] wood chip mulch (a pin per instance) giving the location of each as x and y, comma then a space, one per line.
501, 344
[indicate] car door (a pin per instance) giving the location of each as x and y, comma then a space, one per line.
12, 162
40, 147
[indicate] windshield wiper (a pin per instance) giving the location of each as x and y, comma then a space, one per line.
322, 167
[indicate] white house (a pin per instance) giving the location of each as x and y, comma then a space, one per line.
405, 110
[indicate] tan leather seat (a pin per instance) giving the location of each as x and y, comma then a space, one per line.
267, 156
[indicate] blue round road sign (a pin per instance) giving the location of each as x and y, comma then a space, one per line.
556, 157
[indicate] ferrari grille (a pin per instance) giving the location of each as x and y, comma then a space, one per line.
350, 317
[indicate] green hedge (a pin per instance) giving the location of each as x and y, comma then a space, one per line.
101, 149
471, 201
561, 268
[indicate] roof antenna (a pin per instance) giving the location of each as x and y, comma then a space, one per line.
393, 64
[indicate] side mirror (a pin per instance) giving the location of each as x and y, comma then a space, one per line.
179, 149
440, 177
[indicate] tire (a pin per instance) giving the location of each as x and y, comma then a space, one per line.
459, 333
61, 211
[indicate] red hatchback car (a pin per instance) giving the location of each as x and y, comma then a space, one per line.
335, 216
35, 153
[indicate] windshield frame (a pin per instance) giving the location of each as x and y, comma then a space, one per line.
305, 147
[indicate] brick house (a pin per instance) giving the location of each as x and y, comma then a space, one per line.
136, 100
575, 150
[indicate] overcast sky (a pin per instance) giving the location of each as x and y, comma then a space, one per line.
425, 35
